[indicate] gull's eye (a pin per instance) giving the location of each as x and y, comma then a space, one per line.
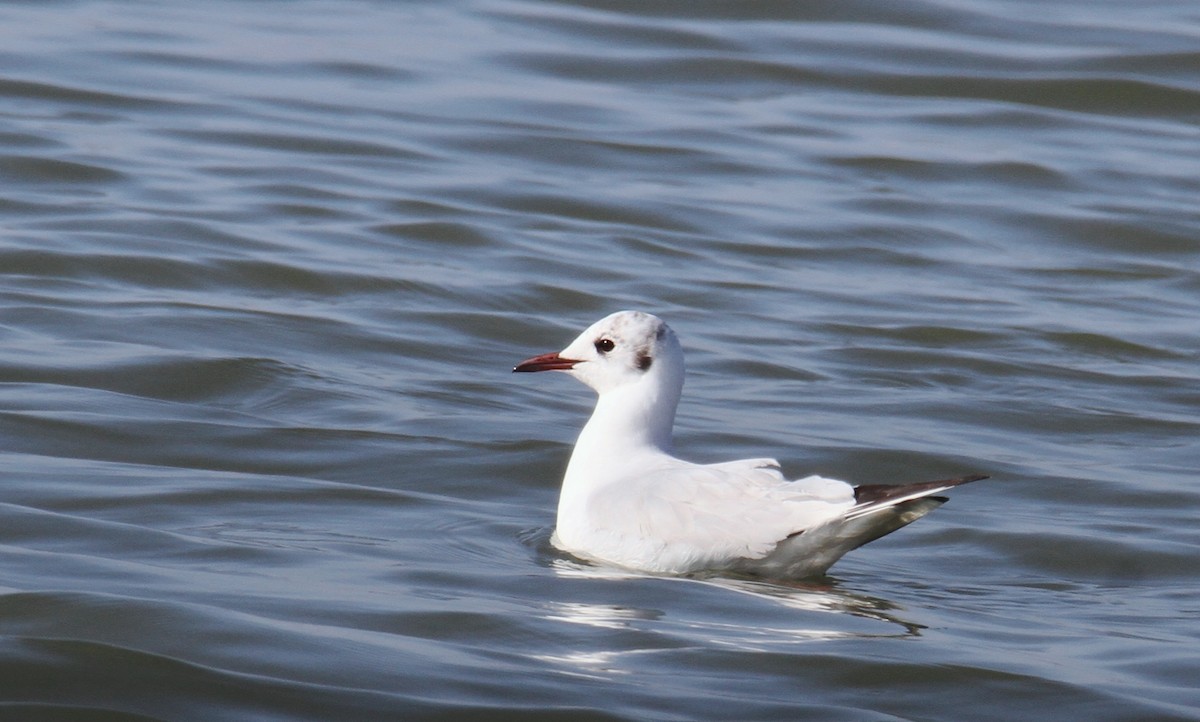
604, 345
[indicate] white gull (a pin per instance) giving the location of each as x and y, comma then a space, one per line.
627, 500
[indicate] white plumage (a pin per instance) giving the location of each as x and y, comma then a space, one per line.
626, 500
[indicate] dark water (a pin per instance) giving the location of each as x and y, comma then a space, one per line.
265, 266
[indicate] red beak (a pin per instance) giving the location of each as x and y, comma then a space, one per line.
546, 362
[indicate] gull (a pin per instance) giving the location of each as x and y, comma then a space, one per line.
627, 501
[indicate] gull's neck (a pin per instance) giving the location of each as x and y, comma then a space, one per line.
628, 422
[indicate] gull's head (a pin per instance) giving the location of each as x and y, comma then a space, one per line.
625, 348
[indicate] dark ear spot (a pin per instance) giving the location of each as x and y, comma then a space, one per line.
644, 361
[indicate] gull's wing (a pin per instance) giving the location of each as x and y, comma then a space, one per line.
673, 516
677, 517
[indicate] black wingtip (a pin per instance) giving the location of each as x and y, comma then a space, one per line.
868, 493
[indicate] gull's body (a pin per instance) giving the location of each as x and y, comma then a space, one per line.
626, 500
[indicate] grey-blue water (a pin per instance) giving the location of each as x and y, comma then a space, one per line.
265, 268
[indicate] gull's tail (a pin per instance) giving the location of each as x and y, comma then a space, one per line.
880, 510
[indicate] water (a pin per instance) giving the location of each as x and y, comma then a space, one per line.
266, 266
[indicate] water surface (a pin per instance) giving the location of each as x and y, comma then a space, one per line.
265, 267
